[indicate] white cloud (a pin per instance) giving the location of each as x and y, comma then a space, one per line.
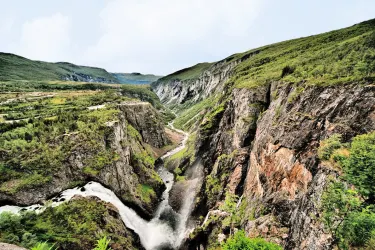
6, 25
46, 38
157, 35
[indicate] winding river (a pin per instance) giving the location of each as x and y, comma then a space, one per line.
166, 230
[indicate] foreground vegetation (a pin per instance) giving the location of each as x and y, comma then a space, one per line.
78, 224
348, 203
240, 242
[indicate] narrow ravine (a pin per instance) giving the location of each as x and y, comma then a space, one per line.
166, 230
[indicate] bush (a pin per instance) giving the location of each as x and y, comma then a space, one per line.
360, 166
349, 211
328, 146
240, 242
287, 70
358, 228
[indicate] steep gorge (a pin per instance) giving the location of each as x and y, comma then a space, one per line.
255, 123
258, 139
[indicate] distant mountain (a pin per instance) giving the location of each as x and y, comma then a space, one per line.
14, 67
135, 78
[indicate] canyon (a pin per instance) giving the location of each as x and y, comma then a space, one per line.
232, 146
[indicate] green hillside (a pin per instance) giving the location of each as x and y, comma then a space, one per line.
339, 56
190, 73
135, 78
13, 67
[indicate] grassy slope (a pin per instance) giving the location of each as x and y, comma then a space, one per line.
339, 56
190, 73
135, 78
13, 67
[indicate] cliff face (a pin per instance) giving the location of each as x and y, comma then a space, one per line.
174, 91
127, 170
263, 147
258, 139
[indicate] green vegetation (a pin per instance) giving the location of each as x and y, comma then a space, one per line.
194, 113
34, 149
186, 155
190, 73
102, 244
146, 193
349, 211
135, 78
141, 92
42, 246
240, 242
13, 67
340, 56
73, 225
359, 167
40, 130
230, 206
213, 117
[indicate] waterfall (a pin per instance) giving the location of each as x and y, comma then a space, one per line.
167, 229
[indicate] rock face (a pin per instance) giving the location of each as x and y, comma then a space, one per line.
175, 91
273, 164
5, 246
146, 119
80, 77
262, 146
130, 138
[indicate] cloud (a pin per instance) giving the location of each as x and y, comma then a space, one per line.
6, 25
152, 36
46, 38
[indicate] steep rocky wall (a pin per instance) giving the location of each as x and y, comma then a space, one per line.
263, 148
125, 170
175, 92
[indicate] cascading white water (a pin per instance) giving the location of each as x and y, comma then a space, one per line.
166, 230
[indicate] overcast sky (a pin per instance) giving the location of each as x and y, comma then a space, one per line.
162, 36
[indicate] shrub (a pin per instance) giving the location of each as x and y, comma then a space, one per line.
349, 211
240, 242
287, 70
360, 166
328, 146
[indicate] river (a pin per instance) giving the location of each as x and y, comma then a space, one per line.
166, 230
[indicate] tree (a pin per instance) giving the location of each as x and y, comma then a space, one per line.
230, 206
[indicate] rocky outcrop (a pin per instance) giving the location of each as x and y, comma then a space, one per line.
5, 246
80, 77
143, 117
263, 148
121, 160
175, 91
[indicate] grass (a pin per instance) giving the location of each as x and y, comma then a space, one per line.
337, 57
146, 192
340, 56
196, 112
190, 73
